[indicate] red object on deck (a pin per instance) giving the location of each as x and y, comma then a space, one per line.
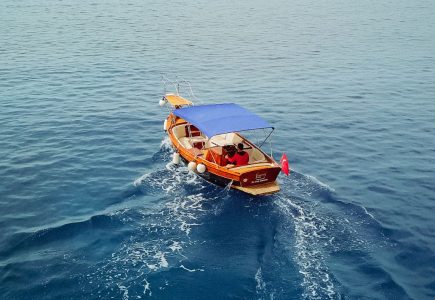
239, 159
285, 168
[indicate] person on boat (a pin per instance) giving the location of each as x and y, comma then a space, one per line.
231, 155
241, 158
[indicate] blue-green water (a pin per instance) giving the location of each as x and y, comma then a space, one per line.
92, 208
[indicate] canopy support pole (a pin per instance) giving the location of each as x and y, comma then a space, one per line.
266, 138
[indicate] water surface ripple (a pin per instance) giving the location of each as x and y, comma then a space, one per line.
92, 208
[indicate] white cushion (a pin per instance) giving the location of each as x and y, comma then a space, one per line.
185, 142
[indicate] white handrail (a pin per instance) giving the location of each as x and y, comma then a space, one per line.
180, 84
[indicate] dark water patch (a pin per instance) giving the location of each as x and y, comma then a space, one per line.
41, 238
370, 275
355, 97
381, 189
415, 257
29, 275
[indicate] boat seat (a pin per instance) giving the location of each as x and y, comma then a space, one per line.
216, 155
224, 139
185, 142
179, 131
255, 156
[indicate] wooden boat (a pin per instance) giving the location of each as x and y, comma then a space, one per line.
204, 135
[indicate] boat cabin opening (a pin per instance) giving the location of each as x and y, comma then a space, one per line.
219, 147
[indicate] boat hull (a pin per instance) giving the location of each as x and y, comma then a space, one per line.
210, 177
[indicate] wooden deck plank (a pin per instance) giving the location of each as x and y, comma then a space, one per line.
260, 189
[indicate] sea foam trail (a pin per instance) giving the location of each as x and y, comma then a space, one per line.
320, 183
261, 287
317, 280
182, 211
162, 239
324, 227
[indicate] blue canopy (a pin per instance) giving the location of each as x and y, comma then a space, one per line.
221, 118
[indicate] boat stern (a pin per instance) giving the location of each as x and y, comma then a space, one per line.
260, 181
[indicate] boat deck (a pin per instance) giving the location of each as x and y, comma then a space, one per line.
259, 189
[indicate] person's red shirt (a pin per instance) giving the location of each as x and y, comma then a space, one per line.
240, 158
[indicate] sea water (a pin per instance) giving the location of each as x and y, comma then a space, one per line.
91, 206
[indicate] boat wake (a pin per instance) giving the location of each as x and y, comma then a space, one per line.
309, 229
310, 234
160, 235
159, 240
326, 227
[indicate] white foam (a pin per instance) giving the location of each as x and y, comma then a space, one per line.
163, 263
166, 144
124, 291
261, 285
309, 234
141, 179
185, 210
175, 246
152, 267
169, 180
191, 270
147, 288
367, 212
318, 182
